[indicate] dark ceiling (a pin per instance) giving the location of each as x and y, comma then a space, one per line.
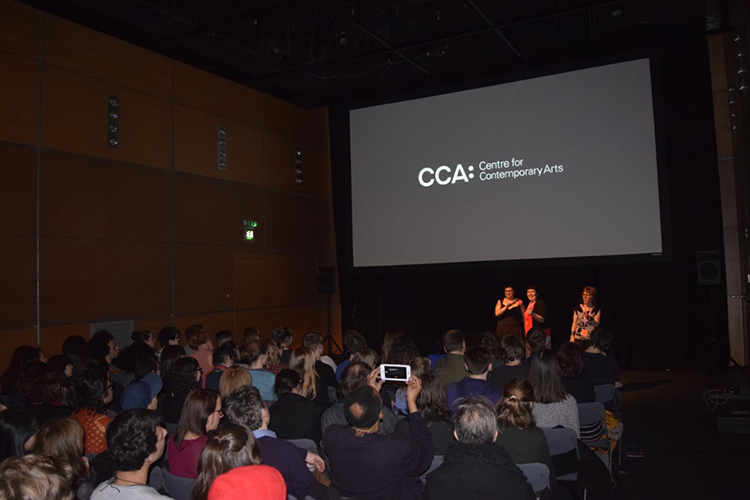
314, 52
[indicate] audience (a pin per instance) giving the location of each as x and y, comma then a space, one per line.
62, 367
169, 335
18, 430
267, 484
62, 441
474, 467
33, 477
273, 361
104, 348
183, 379
256, 356
601, 368
92, 392
76, 348
402, 351
293, 416
324, 365
390, 336
221, 337
22, 356
224, 356
313, 387
478, 365
143, 345
202, 347
189, 334
169, 355
142, 393
353, 342
283, 336
232, 379
418, 365
250, 334
491, 342
367, 356
513, 352
575, 381
552, 405
536, 342
451, 368
200, 415
41, 392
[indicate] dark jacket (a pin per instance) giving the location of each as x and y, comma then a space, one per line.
290, 461
295, 417
477, 472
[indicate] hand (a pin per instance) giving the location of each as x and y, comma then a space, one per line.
618, 385
372, 379
413, 388
314, 459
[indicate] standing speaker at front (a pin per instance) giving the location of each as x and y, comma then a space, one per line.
709, 267
326, 280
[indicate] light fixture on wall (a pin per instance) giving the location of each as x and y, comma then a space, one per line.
249, 227
113, 121
298, 166
222, 148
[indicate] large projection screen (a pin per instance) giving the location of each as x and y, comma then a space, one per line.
552, 167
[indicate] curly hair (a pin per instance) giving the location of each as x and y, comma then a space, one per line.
245, 407
39, 384
88, 391
181, 378
199, 339
132, 437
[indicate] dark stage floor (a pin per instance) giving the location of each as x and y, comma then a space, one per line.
685, 457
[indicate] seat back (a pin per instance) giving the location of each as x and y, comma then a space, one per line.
179, 488
537, 474
437, 461
604, 393
305, 444
590, 413
563, 446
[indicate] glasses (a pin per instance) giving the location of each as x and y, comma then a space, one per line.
200, 370
110, 386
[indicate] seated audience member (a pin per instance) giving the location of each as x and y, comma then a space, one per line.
33, 477
232, 379
474, 467
552, 405
518, 433
273, 362
402, 351
103, 347
62, 367
601, 368
246, 407
437, 353
76, 348
227, 448
267, 484
224, 357
451, 368
283, 336
324, 365
575, 381
313, 387
169, 335
169, 355
189, 334
62, 441
200, 415
369, 465
491, 342
536, 342
18, 430
250, 334
434, 410
293, 416
136, 440
91, 395
202, 347
23, 355
513, 351
389, 338
367, 356
355, 375
418, 365
256, 356
353, 342
41, 392
183, 379
142, 393
143, 345
478, 365
221, 337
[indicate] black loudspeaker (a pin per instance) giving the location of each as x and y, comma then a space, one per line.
326, 280
709, 267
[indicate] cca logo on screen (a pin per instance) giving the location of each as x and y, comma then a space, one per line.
444, 175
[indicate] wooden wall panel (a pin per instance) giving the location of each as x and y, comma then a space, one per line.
303, 284
18, 201
203, 279
280, 165
212, 212
74, 119
196, 146
217, 95
19, 99
82, 50
261, 280
19, 29
285, 118
296, 222
11, 339
95, 280
18, 290
316, 127
85, 197
54, 336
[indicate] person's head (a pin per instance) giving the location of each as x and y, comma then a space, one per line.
255, 354
545, 376
184, 376
420, 365
33, 477
514, 409
354, 376
136, 438
475, 421
287, 382
570, 359
389, 337
403, 350
103, 346
590, 295
314, 342
363, 407
91, 391
227, 448
537, 340
491, 342
601, 338
222, 336
225, 354
303, 362
432, 401
169, 355
245, 407
17, 432
192, 330
76, 346
532, 292
144, 336
453, 342
200, 415
39, 384
509, 292
62, 441
353, 341
367, 356
142, 393
62, 366
201, 340
477, 360
250, 334
513, 349
232, 379
23, 355
169, 335
283, 336
145, 364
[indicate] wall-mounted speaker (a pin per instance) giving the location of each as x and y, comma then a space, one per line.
709, 267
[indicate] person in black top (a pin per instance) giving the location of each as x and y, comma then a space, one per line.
513, 351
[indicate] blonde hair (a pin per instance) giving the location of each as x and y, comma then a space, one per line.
303, 362
232, 379
31, 477
420, 365
367, 356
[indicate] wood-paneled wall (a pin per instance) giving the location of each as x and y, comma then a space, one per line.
150, 230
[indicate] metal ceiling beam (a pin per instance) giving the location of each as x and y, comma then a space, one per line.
494, 28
